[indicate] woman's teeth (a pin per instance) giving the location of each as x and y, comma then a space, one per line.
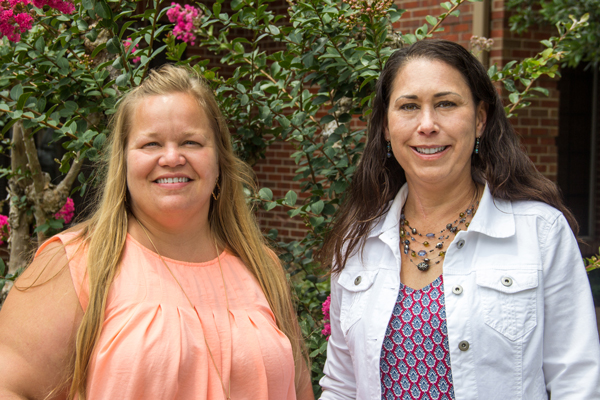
430, 150
172, 180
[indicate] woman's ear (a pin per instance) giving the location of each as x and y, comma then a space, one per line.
386, 131
481, 118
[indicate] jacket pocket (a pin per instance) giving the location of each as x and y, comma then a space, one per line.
509, 300
356, 285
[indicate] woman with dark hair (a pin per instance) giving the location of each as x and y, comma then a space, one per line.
455, 269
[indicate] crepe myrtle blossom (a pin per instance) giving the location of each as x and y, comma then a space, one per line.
187, 20
4, 229
326, 326
127, 44
16, 18
67, 211
65, 7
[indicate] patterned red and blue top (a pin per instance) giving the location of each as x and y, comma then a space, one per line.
415, 357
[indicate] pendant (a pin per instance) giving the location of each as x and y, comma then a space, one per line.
423, 266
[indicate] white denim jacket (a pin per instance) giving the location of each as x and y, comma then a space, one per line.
516, 292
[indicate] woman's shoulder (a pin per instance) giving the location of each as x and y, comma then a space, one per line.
536, 209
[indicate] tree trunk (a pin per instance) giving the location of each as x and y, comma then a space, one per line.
19, 242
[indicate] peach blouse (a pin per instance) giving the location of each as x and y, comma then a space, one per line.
152, 342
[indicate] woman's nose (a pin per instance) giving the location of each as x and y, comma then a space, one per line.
427, 121
171, 157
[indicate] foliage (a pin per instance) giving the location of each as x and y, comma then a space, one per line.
545, 63
66, 74
583, 46
593, 262
313, 89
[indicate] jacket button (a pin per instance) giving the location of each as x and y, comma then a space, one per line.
460, 244
457, 289
506, 281
358, 280
463, 345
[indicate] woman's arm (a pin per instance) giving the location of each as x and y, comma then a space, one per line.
38, 327
339, 382
571, 347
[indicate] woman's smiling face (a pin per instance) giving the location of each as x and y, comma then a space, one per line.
172, 161
432, 123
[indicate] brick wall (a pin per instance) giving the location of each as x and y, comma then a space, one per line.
538, 123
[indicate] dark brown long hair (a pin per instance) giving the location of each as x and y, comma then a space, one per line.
501, 162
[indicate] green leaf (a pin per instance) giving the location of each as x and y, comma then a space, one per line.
42, 228
16, 92
236, 4
513, 97
431, 20
273, 29
216, 8
56, 223
265, 194
123, 80
22, 100
40, 44
88, 4
541, 90
98, 50
99, 141
409, 38
290, 198
320, 100
317, 207
113, 45
102, 9
3, 269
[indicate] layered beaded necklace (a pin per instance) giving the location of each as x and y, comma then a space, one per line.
425, 256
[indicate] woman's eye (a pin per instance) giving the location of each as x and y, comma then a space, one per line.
191, 143
151, 144
446, 104
409, 107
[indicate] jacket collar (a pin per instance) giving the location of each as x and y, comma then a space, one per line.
494, 217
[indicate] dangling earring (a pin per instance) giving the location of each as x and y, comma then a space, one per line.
477, 146
389, 149
213, 192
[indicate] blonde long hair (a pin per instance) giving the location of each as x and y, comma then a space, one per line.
231, 221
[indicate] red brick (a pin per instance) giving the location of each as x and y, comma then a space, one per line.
549, 159
539, 113
540, 131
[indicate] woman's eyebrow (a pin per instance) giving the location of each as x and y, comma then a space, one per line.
441, 94
415, 97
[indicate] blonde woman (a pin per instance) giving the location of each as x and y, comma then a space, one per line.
168, 291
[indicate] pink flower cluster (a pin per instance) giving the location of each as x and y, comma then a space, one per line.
127, 44
65, 7
14, 19
186, 19
67, 211
326, 325
4, 229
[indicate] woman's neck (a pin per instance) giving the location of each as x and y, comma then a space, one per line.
189, 243
431, 206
